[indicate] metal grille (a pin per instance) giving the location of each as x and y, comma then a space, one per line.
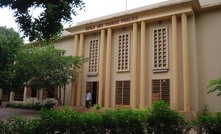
160, 49
123, 52
93, 56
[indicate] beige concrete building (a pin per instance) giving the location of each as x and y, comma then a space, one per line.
168, 51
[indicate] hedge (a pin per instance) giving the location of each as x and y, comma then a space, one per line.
157, 119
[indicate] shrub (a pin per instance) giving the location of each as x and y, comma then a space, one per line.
56, 121
49, 105
121, 121
91, 123
158, 119
208, 123
17, 125
97, 107
162, 120
34, 106
2, 127
128, 121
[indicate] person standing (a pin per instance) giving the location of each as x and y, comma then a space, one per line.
88, 98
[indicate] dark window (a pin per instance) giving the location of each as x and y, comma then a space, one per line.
123, 92
161, 90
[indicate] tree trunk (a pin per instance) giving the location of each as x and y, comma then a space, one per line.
64, 95
59, 96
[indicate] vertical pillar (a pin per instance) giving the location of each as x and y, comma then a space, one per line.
108, 69
185, 64
143, 80
25, 94
41, 95
175, 63
101, 67
80, 77
134, 67
73, 83
12, 94
1, 93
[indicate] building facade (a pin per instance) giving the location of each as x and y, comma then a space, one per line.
168, 51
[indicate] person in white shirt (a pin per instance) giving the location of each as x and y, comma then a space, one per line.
88, 98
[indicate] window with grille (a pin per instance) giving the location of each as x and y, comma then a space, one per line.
161, 90
93, 57
123, 93
123, 52
160, 49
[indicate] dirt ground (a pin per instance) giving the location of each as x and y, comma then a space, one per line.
6, 113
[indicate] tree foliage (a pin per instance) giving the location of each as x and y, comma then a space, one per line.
215, 85
46, 67
48, 24
10, 44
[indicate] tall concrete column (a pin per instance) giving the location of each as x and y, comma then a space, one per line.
175, 63
185, 64
80, 76
12, 94
73, 83
41, 95
108, 69
101, 67
25, 94
143, 72
1, 93
133, 93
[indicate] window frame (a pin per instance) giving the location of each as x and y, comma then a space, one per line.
158, 58
91, 60
124, 86
119, 55
161, 89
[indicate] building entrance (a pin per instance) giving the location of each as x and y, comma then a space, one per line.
93, 88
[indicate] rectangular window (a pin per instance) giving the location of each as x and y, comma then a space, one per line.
123, 93
93, 57
123, 52
161, 90
18, 96
160, 50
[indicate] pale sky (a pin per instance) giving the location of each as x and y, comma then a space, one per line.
93, 9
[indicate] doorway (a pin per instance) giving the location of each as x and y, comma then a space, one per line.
93, 88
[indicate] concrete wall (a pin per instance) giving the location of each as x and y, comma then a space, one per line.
204, 54
68, 45
208, 32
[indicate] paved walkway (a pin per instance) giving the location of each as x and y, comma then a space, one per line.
6, 113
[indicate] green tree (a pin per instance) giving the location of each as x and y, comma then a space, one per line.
214, 85
47, 25
45, 67
10, 44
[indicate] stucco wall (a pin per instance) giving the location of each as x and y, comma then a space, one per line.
68, 45
208, 31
